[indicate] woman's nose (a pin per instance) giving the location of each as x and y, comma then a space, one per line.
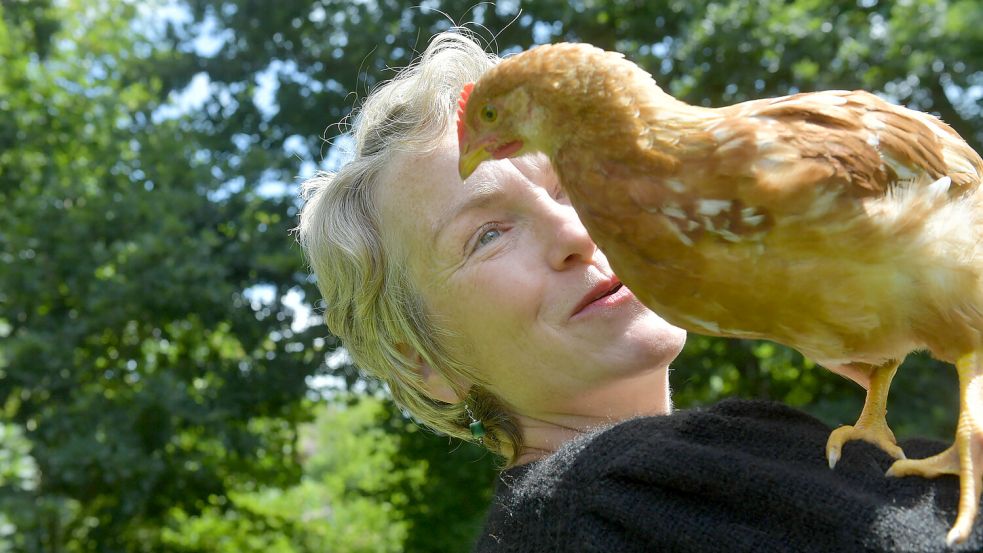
569, 242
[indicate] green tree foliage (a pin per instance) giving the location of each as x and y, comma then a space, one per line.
352, 497
366, 488
142, 376
152, 381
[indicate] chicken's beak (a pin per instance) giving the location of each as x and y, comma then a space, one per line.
470, 159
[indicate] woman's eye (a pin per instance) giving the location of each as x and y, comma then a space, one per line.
488, 236
558, 194
485, 237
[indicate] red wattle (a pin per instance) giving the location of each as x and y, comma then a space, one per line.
506, 150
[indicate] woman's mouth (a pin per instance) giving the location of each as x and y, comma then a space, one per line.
605, 294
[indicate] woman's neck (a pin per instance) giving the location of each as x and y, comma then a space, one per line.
544, 433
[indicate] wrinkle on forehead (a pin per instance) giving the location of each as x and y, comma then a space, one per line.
532, 164
537, 169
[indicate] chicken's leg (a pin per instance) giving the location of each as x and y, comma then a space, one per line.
965, 457
872, 425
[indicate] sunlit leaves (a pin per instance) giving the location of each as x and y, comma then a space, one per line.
352, 496
128, 357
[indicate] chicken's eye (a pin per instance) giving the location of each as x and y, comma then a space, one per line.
489, 114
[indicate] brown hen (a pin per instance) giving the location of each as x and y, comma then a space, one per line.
834, 222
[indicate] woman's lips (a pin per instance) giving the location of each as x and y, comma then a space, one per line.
605, 294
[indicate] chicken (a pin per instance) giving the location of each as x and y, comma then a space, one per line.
833, 222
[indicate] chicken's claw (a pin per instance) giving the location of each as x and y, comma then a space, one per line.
875, 431
872, 425
965, 457
946, 462
970, 480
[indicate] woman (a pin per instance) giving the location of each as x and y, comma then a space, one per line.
491, 315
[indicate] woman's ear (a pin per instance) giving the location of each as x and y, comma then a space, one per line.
436, 385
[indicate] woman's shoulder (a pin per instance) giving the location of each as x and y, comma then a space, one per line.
747, 425
752, 427
631, 467
751, 475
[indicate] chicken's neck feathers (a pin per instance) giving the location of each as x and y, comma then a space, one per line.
582, 96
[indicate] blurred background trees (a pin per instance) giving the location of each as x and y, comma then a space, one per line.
165, 382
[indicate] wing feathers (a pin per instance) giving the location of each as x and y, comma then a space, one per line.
851, 140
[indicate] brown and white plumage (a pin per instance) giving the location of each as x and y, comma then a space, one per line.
834, 222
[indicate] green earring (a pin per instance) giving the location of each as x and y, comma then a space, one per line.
476, 426
477, 430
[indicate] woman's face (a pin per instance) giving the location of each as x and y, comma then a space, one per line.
503, 261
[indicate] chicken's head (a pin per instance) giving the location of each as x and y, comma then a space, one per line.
491, 125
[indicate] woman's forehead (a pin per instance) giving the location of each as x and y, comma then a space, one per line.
414, 184
413, 190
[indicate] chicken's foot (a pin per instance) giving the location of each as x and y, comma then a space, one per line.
965, 457
872, 425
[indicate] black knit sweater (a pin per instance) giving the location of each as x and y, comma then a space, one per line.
739, 476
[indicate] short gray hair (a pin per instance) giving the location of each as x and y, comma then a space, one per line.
370, 301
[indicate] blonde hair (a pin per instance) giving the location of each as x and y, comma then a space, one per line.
370, 301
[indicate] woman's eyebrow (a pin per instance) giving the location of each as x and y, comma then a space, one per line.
482, 193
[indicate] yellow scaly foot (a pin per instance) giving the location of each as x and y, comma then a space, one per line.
965, 457
872, 425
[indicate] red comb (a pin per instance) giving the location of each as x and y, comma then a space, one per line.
462, 104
